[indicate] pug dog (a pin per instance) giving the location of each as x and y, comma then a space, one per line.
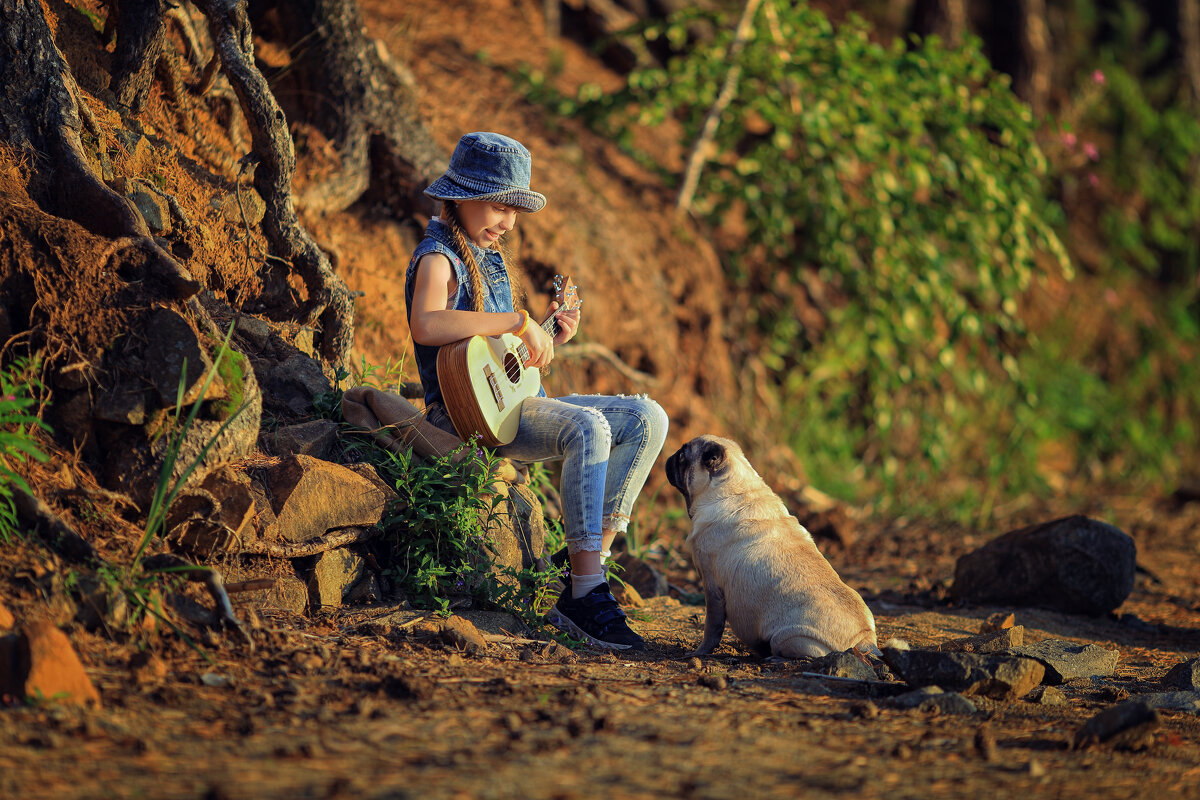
761, 569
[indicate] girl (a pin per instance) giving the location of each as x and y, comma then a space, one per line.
458, 285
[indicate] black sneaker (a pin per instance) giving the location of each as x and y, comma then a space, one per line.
595, 618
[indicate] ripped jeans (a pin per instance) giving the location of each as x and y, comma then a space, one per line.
607, 444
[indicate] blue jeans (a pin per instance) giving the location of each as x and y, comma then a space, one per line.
607, 445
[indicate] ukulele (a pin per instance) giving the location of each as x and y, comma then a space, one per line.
484, 378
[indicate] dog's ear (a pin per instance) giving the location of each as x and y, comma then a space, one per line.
713, 457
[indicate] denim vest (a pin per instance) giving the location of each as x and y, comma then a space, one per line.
439, 239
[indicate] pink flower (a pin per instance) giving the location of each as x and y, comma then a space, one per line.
1098, 77
1068, 139
1093, 180
1091, 151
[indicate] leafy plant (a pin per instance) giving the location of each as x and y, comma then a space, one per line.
900, 185
19, 390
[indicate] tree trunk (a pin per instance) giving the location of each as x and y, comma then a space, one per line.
348, 87
41, 116
1034, 73
329, 300
944, 18
141, 32
1189, 38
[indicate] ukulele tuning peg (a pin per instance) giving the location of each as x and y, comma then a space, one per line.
558, 282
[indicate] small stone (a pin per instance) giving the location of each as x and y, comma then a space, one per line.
216, 681
998, 622
154, 210
1047, 696
461, 634
996, 641
713, 681
1036, 770
985, 744
695, 663
38, 663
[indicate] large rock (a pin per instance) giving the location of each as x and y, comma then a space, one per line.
996, 676
517, 533
1066, 661
1075, 564
293, 384
309, 497
39, 664
214, 517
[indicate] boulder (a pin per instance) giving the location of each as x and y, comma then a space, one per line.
1075, 564
516, 535
1065, 661
1184, 675
997, 676
39, 664
308, 497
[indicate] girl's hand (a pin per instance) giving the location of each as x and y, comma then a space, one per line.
541, 347
568, 323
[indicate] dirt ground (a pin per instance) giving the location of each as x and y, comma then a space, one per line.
366, 702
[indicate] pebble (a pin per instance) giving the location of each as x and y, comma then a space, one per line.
713, 681
695, 663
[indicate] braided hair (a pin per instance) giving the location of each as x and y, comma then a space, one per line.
474, 274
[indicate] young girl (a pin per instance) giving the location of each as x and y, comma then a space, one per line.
458, 285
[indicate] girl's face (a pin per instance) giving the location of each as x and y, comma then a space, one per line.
485, 222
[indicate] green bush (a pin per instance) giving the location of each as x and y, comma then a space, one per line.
904, 182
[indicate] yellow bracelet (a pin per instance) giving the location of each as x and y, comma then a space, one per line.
524, 322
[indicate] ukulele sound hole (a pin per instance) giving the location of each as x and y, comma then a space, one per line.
512, 367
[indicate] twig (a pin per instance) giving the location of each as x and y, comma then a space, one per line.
728, 89
501, 639
599, 351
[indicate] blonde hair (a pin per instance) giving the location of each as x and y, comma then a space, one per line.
463, 247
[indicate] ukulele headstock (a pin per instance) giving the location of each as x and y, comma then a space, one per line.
566, 293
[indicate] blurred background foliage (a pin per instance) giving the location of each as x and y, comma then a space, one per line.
963, 234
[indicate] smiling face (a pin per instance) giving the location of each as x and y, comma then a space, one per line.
485, 222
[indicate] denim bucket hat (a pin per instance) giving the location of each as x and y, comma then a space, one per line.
488, 166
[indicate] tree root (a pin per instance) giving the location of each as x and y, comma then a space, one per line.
329, 300
332, 539
41, 115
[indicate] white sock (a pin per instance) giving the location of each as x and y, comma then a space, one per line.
582, 584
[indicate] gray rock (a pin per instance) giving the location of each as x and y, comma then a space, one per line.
123, 404
1184, 675
1173, 701
842, 665
1047, 696
254, 331
333, 575
292, 384
996, 676
991, 642
934, 699
1127, 726
153, 209
1075, 564
313, 438
1065, 661
286, 593
173, 347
